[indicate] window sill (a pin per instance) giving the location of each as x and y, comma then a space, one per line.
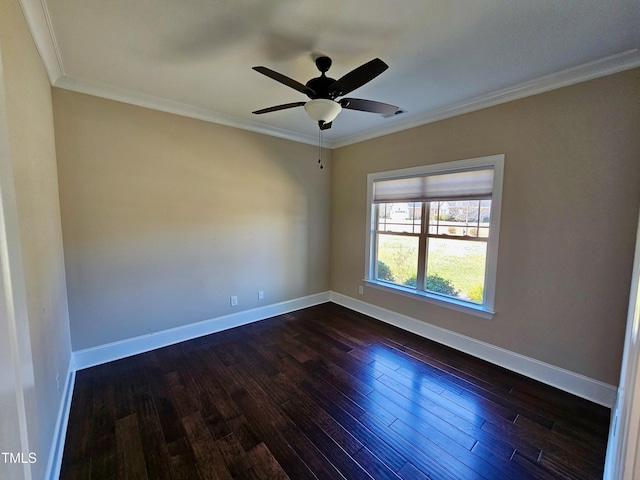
477, 310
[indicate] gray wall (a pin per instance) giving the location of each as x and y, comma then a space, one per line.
569, 216
165, 217
34, 322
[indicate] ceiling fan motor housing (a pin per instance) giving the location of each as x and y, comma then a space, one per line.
320, 85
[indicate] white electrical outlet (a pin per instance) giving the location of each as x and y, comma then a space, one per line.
260, 295
361, 290
234, 301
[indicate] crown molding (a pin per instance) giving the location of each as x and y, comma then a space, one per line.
599, 68
37, 17
178, 108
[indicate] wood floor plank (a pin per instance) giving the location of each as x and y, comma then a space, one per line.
429, 400
408, 449
411, 472
209, 459
314, 411
534, 469
428, 423
105, 464
273, 437
576, 448
182, 460
81, 438
265, 466
382, 450
459, 461
130, 450
324, 392
374, 465
499, 460
328, 446
235, 457
310, 454
155, 449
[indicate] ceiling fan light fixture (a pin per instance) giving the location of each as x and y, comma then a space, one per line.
323, 110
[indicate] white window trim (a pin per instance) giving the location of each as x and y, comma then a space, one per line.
486, 310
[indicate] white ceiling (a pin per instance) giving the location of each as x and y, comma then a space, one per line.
446, 57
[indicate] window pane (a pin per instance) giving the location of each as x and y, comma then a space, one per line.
397, 259
399, 217
456, 268
485, 211
460, 218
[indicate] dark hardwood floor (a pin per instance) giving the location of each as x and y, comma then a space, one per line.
324, 393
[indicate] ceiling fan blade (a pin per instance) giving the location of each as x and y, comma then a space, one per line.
368, 106
289, 82
358, 77
279, 107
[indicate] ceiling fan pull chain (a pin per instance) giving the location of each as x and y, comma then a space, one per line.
320, 148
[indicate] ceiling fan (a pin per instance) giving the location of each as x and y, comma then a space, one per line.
324, 91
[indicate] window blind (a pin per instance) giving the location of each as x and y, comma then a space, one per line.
465, 184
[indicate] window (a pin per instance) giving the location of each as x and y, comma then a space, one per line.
433, 232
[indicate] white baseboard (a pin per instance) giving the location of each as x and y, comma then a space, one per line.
580, 385
90, 357
575, 383
60, 432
